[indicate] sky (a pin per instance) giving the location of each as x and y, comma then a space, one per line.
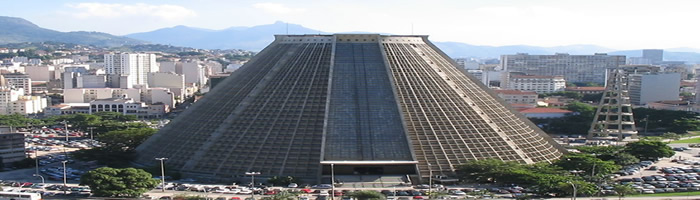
616, 24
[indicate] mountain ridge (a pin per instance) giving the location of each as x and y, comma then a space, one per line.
18, 30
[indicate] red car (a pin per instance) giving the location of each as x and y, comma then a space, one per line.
270, 192
418, 197
235, 198
306, 191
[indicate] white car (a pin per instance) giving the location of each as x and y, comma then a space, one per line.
245, 191
292, 185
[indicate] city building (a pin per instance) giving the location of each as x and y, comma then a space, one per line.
11, 148
355, 104
128, 106
26, 105
174, 82
134, 66
39, 72
655, 56
674, 105
8, 95
85, 95
67, 109
194, 73
539, 84
574, 68
19, 80
651, 87
517, 96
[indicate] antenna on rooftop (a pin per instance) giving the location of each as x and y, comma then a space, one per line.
411, 28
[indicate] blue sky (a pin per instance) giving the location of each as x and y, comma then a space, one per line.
618, 24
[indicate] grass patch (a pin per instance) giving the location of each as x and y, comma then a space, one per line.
670, 194
692, 140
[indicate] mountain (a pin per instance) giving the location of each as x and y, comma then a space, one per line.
248, 38
688, 57
17, 30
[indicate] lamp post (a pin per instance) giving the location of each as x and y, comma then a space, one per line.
65, 124
36, 160
42, 178
65, 188
593, 170
92, 137
332, 182
573, 186
252, 182
646, 124
162, 172
430, 181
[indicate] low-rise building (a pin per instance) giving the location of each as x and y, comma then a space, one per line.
539, 84
67, 109
586, 90
517, 96
674, 105
128, 106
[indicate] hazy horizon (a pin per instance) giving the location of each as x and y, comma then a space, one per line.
618, 25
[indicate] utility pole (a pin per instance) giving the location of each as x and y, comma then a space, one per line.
252, 183
162, 172
65, 187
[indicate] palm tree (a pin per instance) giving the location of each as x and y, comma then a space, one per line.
623, 190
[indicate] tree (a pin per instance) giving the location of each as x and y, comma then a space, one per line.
648, 149
119, 146
582, 188
623, 190
115, 116
625, 159
282, 181
367, 195
587, 163
284, 195
682, 126
488, 170
671, 136
111, 182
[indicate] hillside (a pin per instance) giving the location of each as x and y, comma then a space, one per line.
18, 30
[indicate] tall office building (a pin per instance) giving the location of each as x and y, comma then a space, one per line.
366, 104
655, 56
650, 87
574, 68
135, 67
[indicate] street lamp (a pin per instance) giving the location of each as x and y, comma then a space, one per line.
646, 124
42, 178
252, 182
65, 188
162, 172
430, 181
332, 182
573, 186
65, 124
91, 134
36, 159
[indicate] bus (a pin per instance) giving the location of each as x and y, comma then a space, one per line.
19, 196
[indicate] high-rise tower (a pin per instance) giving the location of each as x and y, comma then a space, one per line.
614, 114
134, 67
364, 103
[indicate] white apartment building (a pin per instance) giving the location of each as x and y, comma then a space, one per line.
128, 106
651, 87
574, 68
8, 95
134, 66
26, 105
158, 96
19, 80
194, 73
539, 84
39, 72
85, 95
517, 96
174, 82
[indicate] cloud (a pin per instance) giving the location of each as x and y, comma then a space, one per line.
276, 8
103, 10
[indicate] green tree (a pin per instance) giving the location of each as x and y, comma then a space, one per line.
586, 163
581, 108
682, 126
488, 170
367, 195
115, 116
284, 195
282, 181
624, 159
647, 149
17, 120
119, 146
623, 190
671, 136
111, 182
582, 188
